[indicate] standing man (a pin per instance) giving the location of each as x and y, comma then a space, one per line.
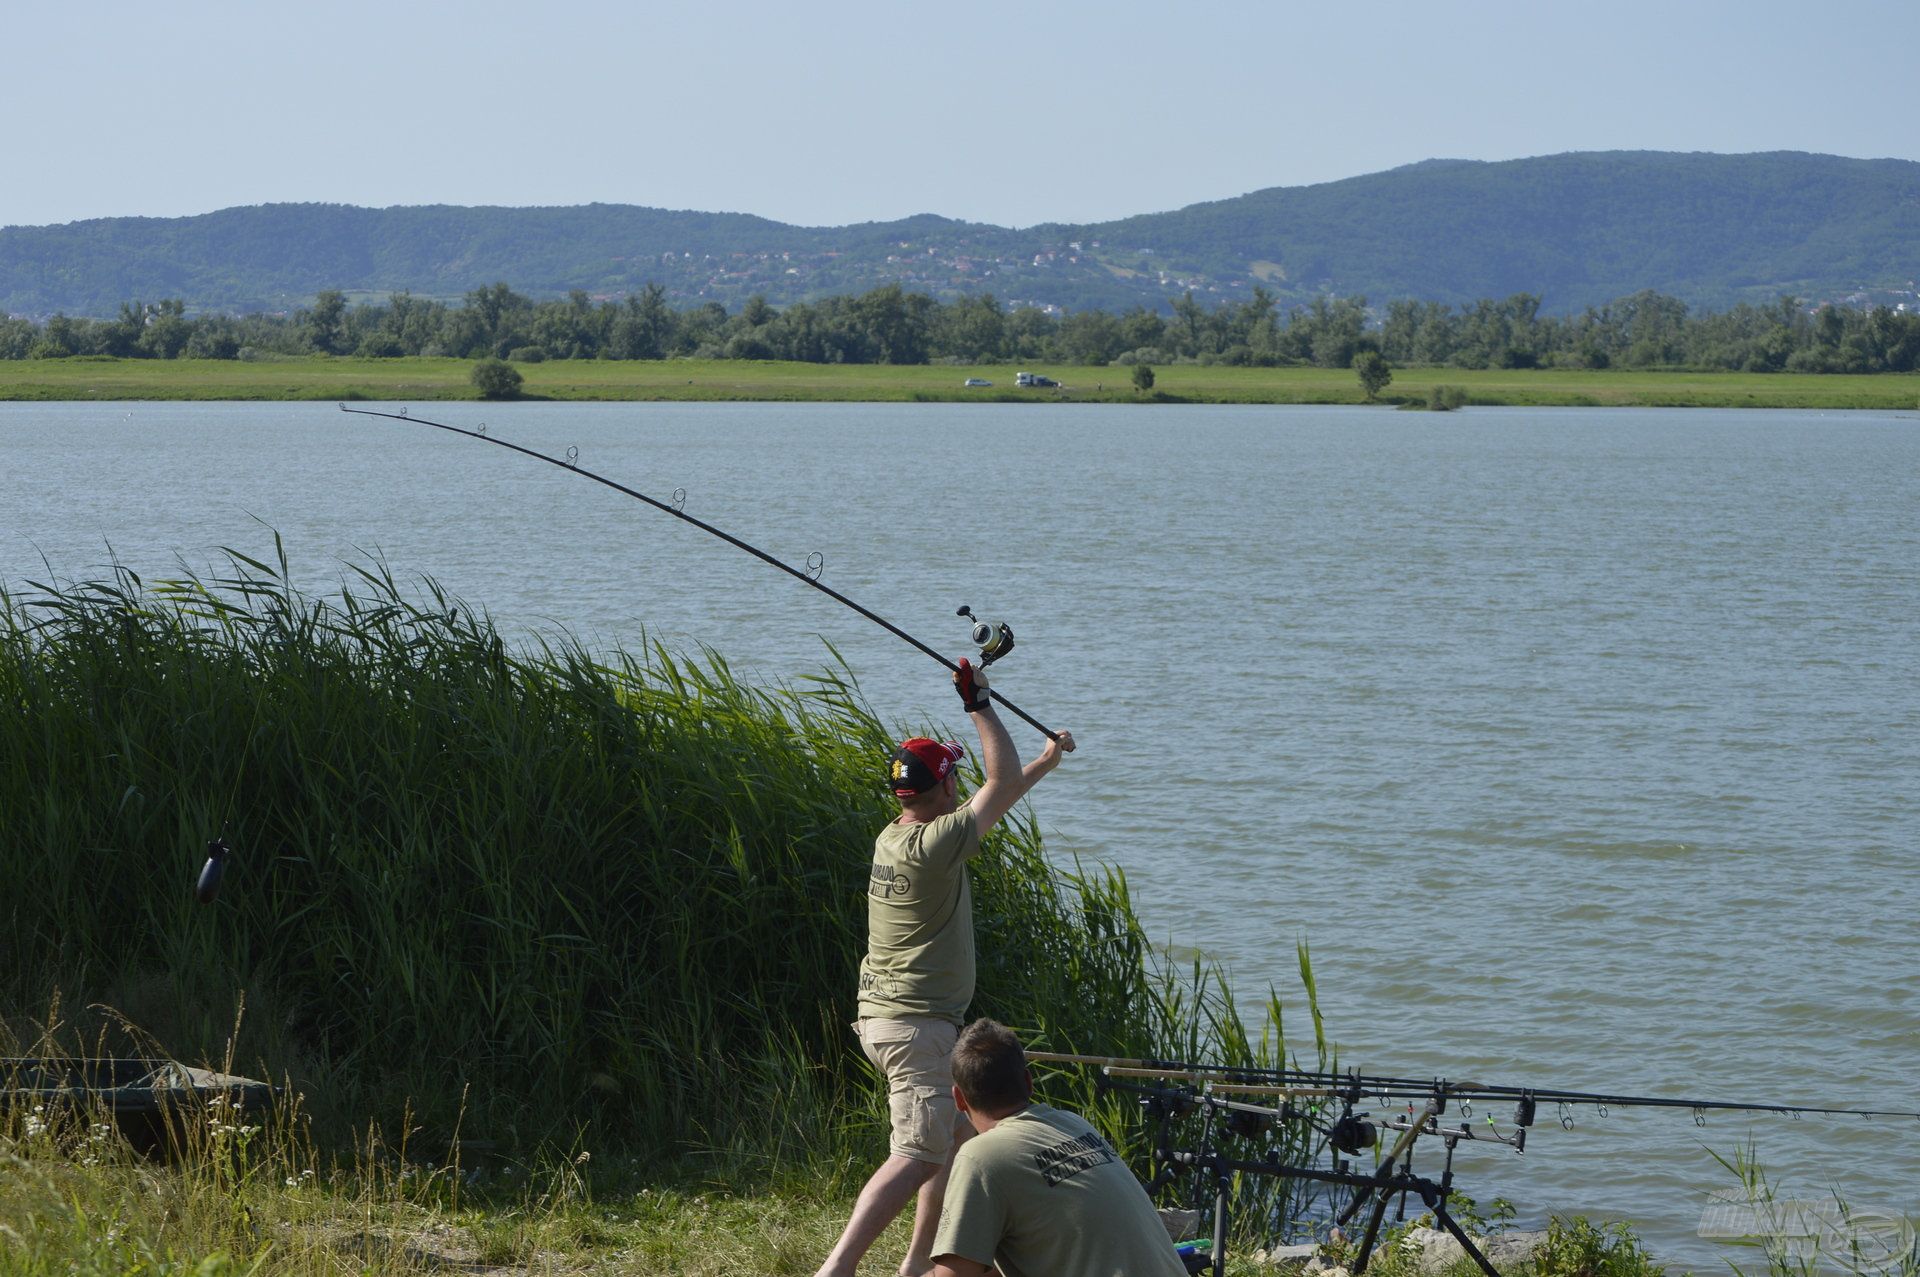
1038, 1192
917, 978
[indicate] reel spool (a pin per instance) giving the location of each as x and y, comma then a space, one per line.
1351, 1134
993, 638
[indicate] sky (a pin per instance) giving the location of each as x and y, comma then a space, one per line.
1010, 113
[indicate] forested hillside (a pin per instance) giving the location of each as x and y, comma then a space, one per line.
1574, 230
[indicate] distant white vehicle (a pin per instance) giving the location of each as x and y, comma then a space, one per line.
978, 381
1033, 379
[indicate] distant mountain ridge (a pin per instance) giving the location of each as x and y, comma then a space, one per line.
1577, 229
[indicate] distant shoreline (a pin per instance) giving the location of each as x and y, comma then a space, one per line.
85, 379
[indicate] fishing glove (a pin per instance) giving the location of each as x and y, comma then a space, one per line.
971, 683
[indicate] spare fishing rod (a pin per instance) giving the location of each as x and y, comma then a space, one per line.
995, 640
1321, 1143
1358, 1086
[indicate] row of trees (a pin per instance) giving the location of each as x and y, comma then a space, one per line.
1648, 330
891, 325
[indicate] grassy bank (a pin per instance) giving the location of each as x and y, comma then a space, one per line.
551, 950
248, 1200
262, 1202
526, 892
418, 380
504, 906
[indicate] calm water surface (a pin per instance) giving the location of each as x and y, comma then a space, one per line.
1580, 746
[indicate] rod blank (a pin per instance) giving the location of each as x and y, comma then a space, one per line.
570, 463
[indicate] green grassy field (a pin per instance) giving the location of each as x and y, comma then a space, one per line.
324, 378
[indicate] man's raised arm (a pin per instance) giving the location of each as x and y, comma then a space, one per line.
1006, 781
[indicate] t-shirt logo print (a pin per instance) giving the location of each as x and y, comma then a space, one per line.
886, 881
1065, 1160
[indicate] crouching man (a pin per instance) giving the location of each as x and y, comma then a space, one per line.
1038, 1191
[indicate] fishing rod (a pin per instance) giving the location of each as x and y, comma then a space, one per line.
995, 640
1323, 1143
1359, 1086
1220, 1159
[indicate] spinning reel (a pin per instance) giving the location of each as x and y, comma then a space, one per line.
993, 638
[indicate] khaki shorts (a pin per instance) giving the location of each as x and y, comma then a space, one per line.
915, 1055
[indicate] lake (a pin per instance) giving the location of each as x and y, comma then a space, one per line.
1580, 746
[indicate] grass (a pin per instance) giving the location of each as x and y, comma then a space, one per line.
417, 380
1802, 1237
1570, 1246
263, 1202
544, 876
497, 923
512, 899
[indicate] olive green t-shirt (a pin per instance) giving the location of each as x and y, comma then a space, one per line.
920, 920
1042, 1194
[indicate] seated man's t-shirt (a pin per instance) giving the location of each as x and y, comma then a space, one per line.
1042, 1194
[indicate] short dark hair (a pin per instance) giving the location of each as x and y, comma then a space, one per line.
990, 1068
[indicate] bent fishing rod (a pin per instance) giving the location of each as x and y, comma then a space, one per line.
994, 640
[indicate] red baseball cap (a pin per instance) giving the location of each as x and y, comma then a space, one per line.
920, 764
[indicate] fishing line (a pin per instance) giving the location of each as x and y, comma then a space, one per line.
811, 575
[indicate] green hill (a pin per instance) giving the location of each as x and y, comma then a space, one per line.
1576, 229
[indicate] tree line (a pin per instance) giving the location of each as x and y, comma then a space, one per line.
890, 325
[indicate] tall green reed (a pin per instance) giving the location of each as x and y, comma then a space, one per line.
618, 892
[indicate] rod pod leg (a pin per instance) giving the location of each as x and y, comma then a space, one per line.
1437, 1203
1380, 1192
1221, 1193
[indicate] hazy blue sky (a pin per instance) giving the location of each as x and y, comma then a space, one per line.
863, 111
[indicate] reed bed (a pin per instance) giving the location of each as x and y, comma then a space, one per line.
500, 897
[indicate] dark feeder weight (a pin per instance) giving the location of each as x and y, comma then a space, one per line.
210, 874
